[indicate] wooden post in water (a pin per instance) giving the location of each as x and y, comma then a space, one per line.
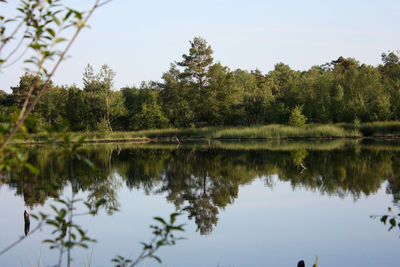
27, 222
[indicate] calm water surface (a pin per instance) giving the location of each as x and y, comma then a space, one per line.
244, 204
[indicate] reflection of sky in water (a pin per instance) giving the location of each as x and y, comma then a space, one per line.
263, 227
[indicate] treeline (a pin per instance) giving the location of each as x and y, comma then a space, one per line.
197, 92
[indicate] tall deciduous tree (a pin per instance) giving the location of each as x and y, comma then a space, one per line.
98, 87
107, 76
143, 108
176, 99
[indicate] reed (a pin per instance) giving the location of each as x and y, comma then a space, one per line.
268, 132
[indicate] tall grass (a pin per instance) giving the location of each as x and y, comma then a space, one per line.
273, 131
380, 128
255, 132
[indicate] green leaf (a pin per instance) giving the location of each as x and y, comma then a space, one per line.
173, 217
35, 46
156, 258
51, 32
161, 220
56, 21
73, 236
55, 224
101, 202
62, 213
31, 168
59, 40
67, 15
89, 163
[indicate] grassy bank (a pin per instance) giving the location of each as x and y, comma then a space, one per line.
285, 132
268, 132
254, 132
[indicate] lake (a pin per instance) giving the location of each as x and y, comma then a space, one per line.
242, 203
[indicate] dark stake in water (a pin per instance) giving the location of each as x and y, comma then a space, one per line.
244, 204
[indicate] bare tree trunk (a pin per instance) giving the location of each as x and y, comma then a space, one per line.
108, 112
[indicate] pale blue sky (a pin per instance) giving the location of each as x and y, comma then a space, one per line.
139, 39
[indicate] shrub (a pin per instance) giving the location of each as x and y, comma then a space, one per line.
296, 118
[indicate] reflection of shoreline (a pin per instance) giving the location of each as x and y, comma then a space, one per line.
202, 179
247, 144
170, 140
254, 144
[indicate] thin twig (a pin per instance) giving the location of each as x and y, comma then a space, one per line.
104, 3
21, 239
15, 60
71, 215
4, 42
142, 255
16, 47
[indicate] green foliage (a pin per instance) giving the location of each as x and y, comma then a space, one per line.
197, 62
76, 108
150, 116
196, 92
356, 124
297, 119
176, 98
42, 23
102, 126
144, 112
27, 83
67, 235
392, 219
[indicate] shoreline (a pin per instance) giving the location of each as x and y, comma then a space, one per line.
146, 140
271, 132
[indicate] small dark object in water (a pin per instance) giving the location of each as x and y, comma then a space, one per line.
27, 222
301, 264
118, 150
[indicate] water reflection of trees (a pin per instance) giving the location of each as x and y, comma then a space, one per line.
201, 181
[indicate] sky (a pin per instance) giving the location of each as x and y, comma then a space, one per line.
140, 39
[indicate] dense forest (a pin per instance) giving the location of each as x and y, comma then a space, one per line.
197, 92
